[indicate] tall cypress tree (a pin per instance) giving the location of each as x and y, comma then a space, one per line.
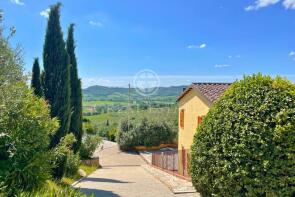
57, 74
76, 93
36, 80
42, 80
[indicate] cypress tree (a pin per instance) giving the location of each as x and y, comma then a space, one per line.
36, 80
57, 74
76, 93
42, 79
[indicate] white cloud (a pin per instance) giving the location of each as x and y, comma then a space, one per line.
292, 55
18, 2
221, 65
95, 23
261, 4
289, 4
196, 46
203, 46
45, 13
192, 46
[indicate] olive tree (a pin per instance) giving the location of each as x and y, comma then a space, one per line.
25, 127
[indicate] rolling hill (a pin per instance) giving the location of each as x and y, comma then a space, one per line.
119, 94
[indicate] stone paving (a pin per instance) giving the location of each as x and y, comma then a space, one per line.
177, 185
123, 174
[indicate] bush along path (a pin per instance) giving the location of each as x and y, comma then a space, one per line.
245, 145
36, 149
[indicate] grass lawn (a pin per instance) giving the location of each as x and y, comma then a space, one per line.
76, 177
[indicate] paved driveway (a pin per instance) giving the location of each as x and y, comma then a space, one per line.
122, 175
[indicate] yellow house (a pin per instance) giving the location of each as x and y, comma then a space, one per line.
194, 103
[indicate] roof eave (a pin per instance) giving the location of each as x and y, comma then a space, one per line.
200, 94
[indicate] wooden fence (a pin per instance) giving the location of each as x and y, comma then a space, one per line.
174, 161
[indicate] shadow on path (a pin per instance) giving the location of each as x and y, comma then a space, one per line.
128, 152
113, 166
104, 180
98, 192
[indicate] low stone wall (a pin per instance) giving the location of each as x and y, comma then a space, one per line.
91, 162
144, 148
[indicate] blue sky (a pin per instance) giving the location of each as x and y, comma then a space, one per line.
182, 41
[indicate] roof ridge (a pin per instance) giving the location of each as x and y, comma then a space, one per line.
212, 83
211, 91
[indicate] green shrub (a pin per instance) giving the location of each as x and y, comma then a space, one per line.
126, 140
85, 120
25, 127
108, 132
246, 143
60, 154
72, 165
89, 128
146, 133
89, 144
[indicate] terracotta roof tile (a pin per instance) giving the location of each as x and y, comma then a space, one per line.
212, 91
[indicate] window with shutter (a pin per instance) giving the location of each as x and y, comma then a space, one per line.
181, 118
200, 119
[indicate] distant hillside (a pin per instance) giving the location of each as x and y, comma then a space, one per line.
164, 94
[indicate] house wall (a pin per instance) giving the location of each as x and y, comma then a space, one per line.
194, 105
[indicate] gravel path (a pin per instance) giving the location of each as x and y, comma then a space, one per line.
122, 174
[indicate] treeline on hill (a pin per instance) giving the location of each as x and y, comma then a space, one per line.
41, 127
116, 94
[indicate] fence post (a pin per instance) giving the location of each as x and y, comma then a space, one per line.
162, 155
173, 160
183, 160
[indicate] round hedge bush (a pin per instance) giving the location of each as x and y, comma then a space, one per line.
246, 143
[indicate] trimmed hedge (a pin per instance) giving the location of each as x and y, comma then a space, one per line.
246, 143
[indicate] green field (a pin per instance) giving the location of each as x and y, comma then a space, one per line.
166, 95
106, 107
100, 103
114, 118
